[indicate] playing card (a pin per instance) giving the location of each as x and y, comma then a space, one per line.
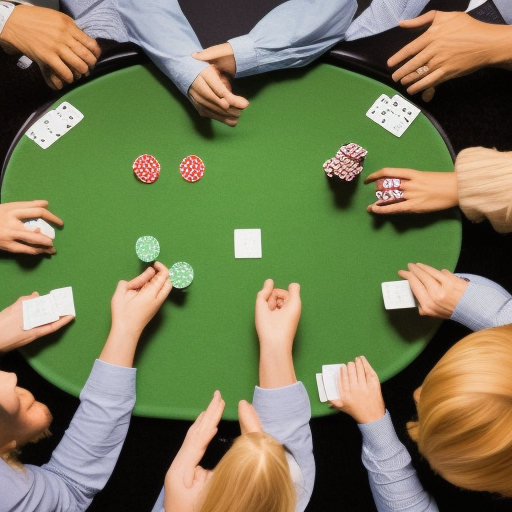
248, 243
54, 124
398, 295
330, 374
321, 388
404, 108
64, 301
39, 311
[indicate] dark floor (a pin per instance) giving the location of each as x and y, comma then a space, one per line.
473, 110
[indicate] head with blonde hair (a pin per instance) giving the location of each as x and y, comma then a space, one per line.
464, 426
253, 476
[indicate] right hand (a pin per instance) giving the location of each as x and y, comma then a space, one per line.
423, 191
136, 302
437, 291
51, 39
186, 479
360, 392
15, 237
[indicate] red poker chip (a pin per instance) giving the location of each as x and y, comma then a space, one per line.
192, 168
146, 168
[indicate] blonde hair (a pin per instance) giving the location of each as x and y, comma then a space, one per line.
464, 426
253, 476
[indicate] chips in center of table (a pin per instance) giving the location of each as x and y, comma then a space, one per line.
147, 248
181, 274
192, 168
146, 168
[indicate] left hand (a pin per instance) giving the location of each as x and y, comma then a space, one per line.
15, 237
422, 191
454, 45
438, 291
12, 335
186, 479
360, 392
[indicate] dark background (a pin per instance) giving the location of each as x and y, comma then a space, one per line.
472, 110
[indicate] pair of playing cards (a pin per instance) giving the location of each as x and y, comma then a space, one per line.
327, 382
398, 295
44, 227
46, 309
54, 124
394, 114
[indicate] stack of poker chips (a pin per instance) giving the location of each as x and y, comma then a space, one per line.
391, 190
348, 162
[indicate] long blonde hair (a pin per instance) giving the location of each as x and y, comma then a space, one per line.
464, 426
253, 476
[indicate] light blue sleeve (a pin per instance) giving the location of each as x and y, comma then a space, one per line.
161, 29
292, 35
485, 304
284, 414
83, 461
382, 15
393, 480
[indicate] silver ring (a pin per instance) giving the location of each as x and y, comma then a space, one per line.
423, 70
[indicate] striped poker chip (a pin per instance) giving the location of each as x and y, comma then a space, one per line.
146, 168
181, 275
147, 248
353, 151
192, 168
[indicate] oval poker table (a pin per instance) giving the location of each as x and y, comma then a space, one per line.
264, 174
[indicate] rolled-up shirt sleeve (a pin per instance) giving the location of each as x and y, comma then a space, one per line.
292, 35
161, 29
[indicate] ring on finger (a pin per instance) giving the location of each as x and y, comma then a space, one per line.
422, 70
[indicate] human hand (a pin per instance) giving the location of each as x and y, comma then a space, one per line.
136, 302
12, 335
51, 39
211, 92
360, 392
15, 237
437, 291
277, 315
454, 45
186, 479
422, 191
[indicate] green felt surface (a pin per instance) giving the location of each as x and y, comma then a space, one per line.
266, 173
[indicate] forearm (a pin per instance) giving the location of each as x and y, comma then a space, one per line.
276, 368
161, 29
483, 305
120, 347
292, 35
393, 480
88, 452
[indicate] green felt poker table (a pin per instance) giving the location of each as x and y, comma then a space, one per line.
266, 173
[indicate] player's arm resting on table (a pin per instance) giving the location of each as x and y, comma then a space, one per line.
292, 35
85, 458
281, 402
455, 44
422, 191
15, 237
393, 479
12, 335
52, 39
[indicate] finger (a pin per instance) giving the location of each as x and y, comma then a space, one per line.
248, 417
368, 370
433, 79
390, 172
213, 413
91, 44
343, 380
50, 217
352, 374
20, 248
220, 90
419, 21
428, 94
34, 212
360, 372
265, 293
161, 281
138, 282
88, 55
380, 207
211, 53
214, 113
36, 203
59, 68
33, 238
437, 275
294, 293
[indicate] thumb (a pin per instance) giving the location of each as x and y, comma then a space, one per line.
209, 54
424, 19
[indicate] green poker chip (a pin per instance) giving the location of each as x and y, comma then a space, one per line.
181, 274
147, 248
